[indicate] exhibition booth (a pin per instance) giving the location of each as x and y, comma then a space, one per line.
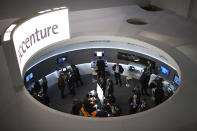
41, 45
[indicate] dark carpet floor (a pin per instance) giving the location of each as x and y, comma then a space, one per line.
122, 95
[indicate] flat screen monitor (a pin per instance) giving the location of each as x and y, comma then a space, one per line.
99, 53
29, 77
176, 80
61, 59
165, 70
64, 69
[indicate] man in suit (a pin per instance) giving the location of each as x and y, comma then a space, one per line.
144, 79
62, 84
70, 81
76, 75
101, 67
110, 87
133, 104
118, 70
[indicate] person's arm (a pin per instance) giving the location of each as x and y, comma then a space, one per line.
113, 67
121, 69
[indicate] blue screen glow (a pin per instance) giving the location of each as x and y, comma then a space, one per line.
176, 80
29, 77
165, 70
61, 59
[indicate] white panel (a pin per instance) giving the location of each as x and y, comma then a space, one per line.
39, 32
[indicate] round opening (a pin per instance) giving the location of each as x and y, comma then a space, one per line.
136, 21
151, 8
143, 82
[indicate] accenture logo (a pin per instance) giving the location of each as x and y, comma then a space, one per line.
35, 37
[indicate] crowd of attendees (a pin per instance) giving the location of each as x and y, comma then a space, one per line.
91, 105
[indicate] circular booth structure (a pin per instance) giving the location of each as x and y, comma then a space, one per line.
132, 55
47, 54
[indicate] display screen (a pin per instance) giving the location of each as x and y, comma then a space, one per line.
165, 70
64, 69
61, 59
176, 80
29, 77
99, 53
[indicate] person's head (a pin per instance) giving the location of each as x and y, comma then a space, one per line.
134, 96
40, 93
157, 78
148, 64
108, 80
44, 79
73, 66
110, 94
160, 79
61, 75
136, 88
100, 78
117, 63
69, 73
143, 101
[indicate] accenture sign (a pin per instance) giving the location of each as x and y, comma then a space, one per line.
39, 32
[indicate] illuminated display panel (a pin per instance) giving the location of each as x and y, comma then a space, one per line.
165, 70
177, 80
99, 53
29, 77
61, 59
39, 32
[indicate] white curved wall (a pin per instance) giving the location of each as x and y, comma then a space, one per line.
19, 111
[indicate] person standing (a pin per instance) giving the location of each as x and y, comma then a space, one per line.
101, 67
144, 79
133, 104
137, 92
70, 81
110, 87
118, 70
37, 87
62, 84
159, 92
76, 75
44, 85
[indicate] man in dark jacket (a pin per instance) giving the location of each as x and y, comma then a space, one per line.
144, 79
110, 86
44, 85
118, 70
159, 95
133, 104
101, 67
70, 81
76, 75
37, 86
62, 84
